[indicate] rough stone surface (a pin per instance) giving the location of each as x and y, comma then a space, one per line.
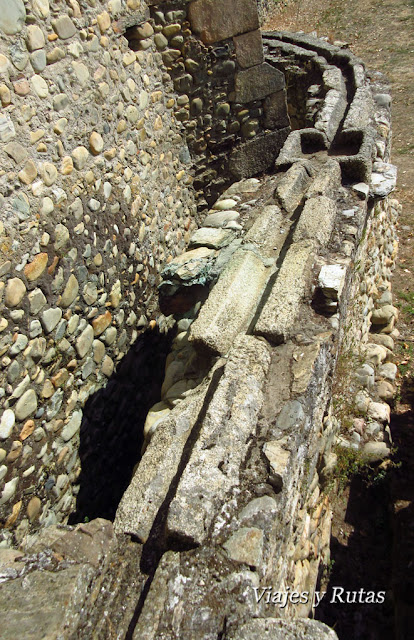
292, 187
316, 220
216, 21
249, 49
221, 442
257, 155
231, 303
12, 16
257, 83
276, 629
281, 309
246, 546
41, 613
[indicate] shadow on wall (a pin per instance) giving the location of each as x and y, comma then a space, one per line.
362, 564
111, 434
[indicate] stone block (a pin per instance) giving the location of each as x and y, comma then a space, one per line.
282, 307
292, 187
232, 302
158, 467
327, 181
249, 49
275, 111
213, 470
316, 220
360, 110
268, 232
54, 605
257, 155
331, 114
332, 280
246, 546
216, 20
257, 83
155, 603
276, 629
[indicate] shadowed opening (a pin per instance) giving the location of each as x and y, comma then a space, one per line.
111, 433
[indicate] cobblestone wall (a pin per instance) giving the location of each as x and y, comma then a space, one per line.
116, 117
140, 112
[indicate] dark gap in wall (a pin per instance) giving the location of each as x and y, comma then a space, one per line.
312, 142
133, 38
111, 433
346, 143
353, 170
360, 562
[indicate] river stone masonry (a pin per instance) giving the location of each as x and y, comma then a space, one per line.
158, 145
111, 114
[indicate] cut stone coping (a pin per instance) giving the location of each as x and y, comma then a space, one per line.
360, 110
331, 113
214, 465
327, 180
331, 280
282, 307
276, 629
292, 187
232, 302
269, 231
158, 467
316, 220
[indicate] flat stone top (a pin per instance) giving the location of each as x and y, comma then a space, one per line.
216, 20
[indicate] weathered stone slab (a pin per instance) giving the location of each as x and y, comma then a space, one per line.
216, 20
331, 114
43, 604
157, 598
214, 466
316, 221
383, 179
360, 110
232, 302
191, 266
276, 629
303, 366
149, 486
269, 231
249, 49
282, 307
258, 154
327, 180
292, 187
257, 83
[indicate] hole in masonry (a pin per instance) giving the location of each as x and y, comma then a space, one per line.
347, 143
111, 434
312, 142
133, 38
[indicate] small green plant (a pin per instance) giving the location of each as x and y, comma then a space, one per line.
349, 463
